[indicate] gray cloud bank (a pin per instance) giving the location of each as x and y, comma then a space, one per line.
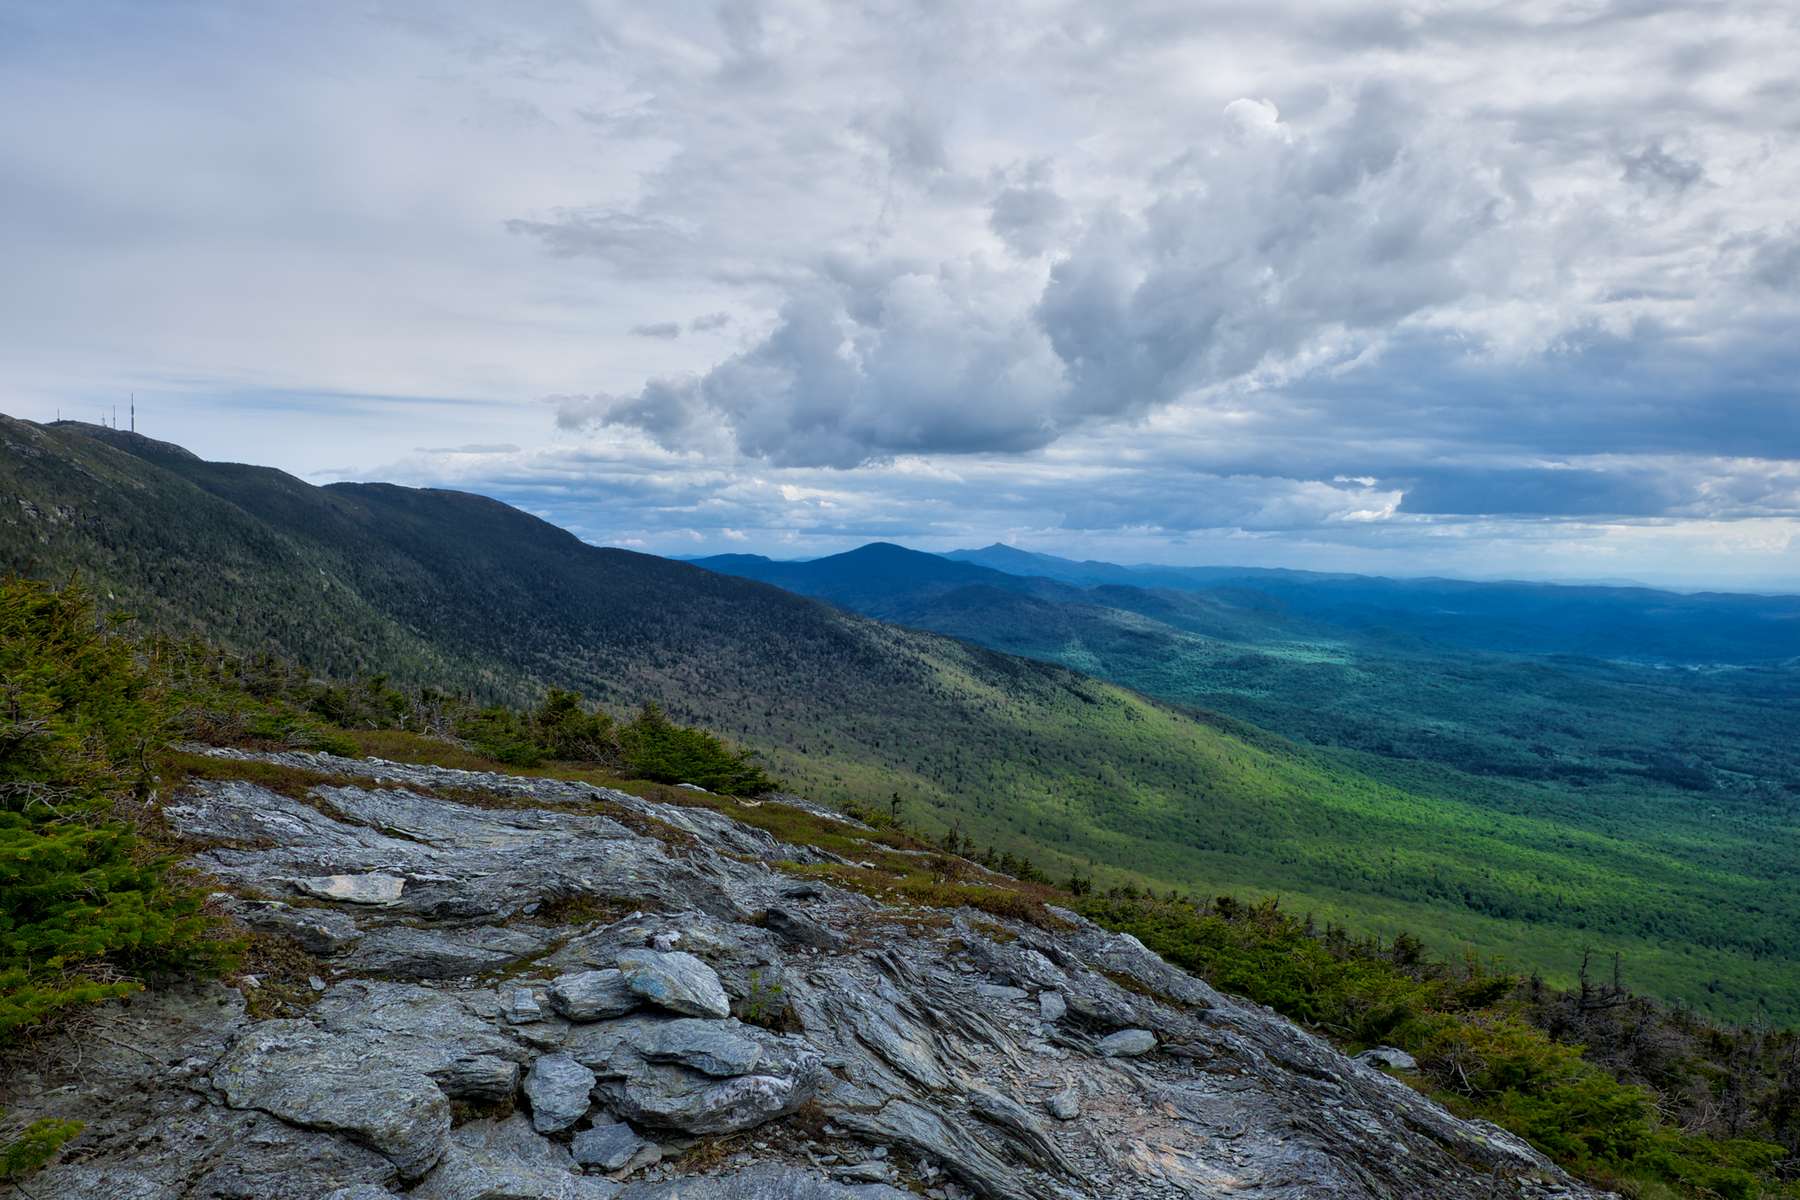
1211, 276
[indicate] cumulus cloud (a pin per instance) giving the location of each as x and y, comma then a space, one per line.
1027, 213
867, 363
1266, 253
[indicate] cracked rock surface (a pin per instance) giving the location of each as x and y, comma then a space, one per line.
549, 993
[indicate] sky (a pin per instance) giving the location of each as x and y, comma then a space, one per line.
1478, 289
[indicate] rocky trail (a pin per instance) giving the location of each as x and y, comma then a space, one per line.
508, 988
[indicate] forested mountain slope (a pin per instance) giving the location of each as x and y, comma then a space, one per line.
436, 587
1693, 764
1640, 624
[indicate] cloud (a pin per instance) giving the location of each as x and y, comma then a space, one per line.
1027, 213
631, 242
1655, 169
1274, 252
1540, 492
1431, 282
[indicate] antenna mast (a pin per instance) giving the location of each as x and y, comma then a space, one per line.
134, 412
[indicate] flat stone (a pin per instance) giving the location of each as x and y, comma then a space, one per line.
307, 1077
1001, 992
613, 1146
1064, 1105
709, 1047
592, 995
508, 1160
1391, 1057
1052, 1007
766, 1181
429, 1029
316, 930
373, 888
1019, 1127
480, 1077
799, 930
558, 1089
677, 1098
659, 1071
520, 1007
402, 950
1127, 1043
677, 981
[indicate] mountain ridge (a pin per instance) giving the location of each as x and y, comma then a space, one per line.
1084, 777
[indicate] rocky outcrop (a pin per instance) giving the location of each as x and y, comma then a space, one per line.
562, 991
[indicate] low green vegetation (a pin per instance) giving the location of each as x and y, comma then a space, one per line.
32, 1146
88, 906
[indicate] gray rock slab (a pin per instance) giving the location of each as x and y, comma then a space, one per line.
426, 1027
763, 1182
373, 888
1018, 1126
592, 995
931, 1049
715, 1048
508, 1160
413, 953
558, 1089
479, 1077
520, 1006
1127, 1043
214, 1151
1390, 1057
675, 980
611, 1146
797, 929
318, 1080
930, 1133
672, 1097
323, 931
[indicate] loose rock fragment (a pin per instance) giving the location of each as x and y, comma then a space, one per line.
1064, 1105
373, 888
613, 1146
592, 995
520, 1007
1127, 1043
1390, 1057
677, 981
558, 1088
